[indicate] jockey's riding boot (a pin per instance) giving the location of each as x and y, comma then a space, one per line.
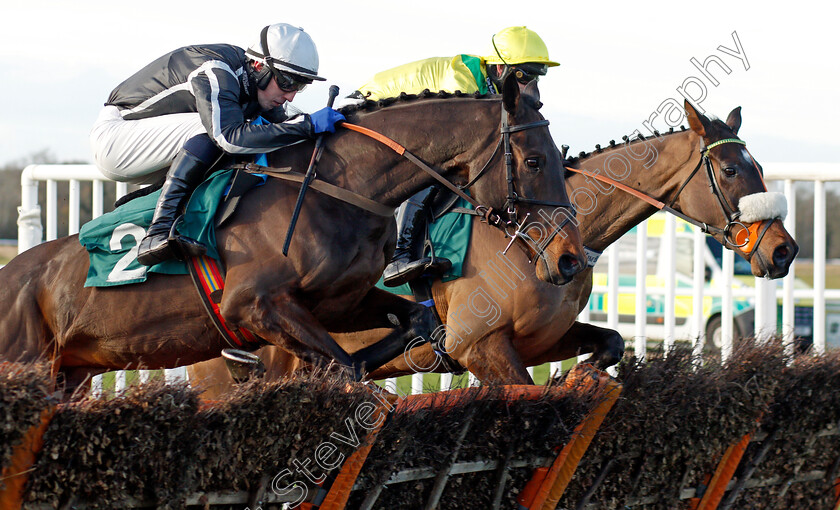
185, 174
409, 260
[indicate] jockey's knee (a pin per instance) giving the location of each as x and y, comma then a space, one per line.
204, 148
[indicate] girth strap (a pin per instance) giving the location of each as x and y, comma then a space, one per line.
345, 195
210, 283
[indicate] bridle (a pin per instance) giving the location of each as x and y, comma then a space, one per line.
512, 200
747, 247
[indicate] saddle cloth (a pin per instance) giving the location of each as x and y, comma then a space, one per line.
450, 237
112, 239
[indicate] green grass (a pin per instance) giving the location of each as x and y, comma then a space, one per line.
805, 272
431, 382
7, 253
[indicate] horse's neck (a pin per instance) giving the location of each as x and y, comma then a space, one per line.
656, 166
379, 173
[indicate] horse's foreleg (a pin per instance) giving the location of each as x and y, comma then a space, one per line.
415, 326
378, 309
283, 321
606, 346
494, 359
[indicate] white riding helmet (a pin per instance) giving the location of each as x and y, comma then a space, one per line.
288, 49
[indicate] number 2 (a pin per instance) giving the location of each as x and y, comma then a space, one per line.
120, 273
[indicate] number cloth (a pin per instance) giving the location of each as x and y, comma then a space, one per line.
112, 239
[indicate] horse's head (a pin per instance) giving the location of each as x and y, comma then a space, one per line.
537, 212
730, 196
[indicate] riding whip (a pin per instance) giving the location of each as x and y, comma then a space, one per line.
310, 174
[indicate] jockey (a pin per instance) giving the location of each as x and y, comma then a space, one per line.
516, 50
189, 107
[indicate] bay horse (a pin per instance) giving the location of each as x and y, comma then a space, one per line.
532, 323
339, 251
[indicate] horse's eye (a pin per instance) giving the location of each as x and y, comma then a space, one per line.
533, 164
729, 171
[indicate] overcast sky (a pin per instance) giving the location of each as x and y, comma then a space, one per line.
620, 61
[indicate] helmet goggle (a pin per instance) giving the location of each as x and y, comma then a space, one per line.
289, 82
523, 77
527, 72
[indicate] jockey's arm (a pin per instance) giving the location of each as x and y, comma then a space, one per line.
218, 103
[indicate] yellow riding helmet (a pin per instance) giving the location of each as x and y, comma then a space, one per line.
517, 45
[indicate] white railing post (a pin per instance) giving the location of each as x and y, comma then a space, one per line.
727, 306
583, 316
612, 283
670, 250
445, 381
97, 204
30, 230
640, 330
175, 375
74, 203
699, 266
417, 383
788, 303
819, 267
765, 309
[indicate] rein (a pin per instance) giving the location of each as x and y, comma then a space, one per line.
486, 213
747, 247
482, 211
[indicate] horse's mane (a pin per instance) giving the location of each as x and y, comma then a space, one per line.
370, 105
717, 122
627, 141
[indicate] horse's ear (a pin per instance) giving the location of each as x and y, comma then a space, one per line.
510, 94
734, 120
698, 122
531, 95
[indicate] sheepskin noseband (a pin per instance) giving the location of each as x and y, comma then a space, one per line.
766, 205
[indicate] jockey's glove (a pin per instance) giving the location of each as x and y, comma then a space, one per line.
325, 119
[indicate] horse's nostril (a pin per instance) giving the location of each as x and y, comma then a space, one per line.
569, 266
781, 255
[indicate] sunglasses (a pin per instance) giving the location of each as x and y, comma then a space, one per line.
289, 83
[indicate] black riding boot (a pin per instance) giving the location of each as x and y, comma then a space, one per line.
185, 174
409, 260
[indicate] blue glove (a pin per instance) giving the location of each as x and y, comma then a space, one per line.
325, 119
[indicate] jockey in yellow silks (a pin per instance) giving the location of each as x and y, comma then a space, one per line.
463, 72
514, 50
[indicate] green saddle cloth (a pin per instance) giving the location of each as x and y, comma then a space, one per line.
450, 236
112, 239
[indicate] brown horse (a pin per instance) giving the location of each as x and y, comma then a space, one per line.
501, 320
338, 253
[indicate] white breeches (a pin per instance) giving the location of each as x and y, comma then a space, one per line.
136, 151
